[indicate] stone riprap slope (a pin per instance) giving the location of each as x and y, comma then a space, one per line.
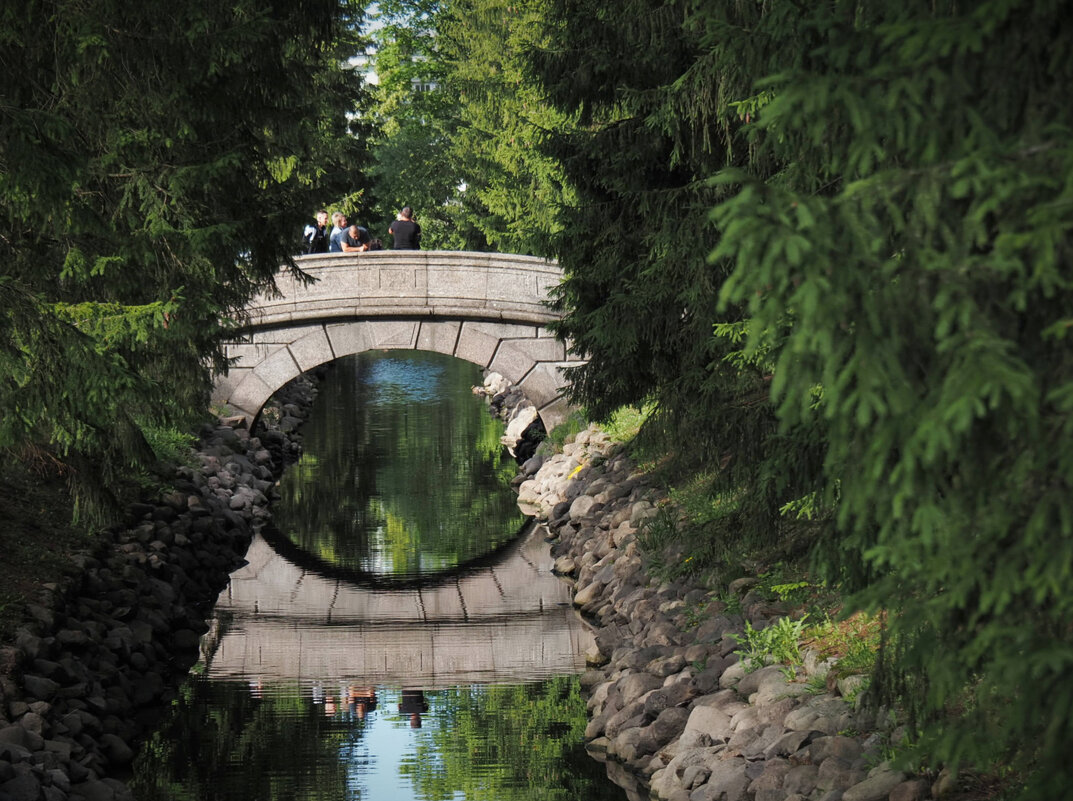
100, 658
669, 698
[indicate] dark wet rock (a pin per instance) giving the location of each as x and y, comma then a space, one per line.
667, 726
16, 735
33, 723
116, 750
39, 687
24, 787
185, 640
95, 790
11, 753
666, 697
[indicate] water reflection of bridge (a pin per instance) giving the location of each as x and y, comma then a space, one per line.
508, 622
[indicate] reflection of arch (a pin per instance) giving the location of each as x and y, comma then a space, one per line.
314, 565
508, 622
509, 582
485, 308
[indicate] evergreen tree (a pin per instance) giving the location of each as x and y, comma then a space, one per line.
884, 285
157, 162
651, 87
513, 190
460, 125
918, 244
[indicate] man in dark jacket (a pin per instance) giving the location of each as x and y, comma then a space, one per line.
316, 235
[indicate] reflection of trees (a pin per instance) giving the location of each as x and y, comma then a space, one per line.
222, 742
401, 464
508, 744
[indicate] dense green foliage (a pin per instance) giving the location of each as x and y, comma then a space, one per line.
514, 190
870, 327
916, 254
416, 114
156, 162
641, 299
459, 127
829, 242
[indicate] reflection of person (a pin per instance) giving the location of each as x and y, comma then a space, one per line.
360, 700
407, 233
413, 703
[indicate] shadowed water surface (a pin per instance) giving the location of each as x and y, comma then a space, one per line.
394, 638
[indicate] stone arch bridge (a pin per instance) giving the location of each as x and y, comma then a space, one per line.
485, 308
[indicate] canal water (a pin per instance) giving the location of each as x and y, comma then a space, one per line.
397, 634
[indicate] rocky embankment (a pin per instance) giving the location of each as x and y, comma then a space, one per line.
671, 703
100, 657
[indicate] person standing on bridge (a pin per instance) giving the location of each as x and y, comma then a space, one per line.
338, 232
407, 233
316, 234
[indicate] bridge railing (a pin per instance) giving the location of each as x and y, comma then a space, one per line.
412, 283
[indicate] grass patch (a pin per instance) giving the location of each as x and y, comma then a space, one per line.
626, 422
569, 428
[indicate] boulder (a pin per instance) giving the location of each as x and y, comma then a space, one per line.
877, 787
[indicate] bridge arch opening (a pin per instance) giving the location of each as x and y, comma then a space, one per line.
488, 309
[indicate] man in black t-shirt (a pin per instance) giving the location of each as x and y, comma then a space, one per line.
407, 233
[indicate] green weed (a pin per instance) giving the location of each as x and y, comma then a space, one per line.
781, 641
854, 642
574, 424
169, 445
